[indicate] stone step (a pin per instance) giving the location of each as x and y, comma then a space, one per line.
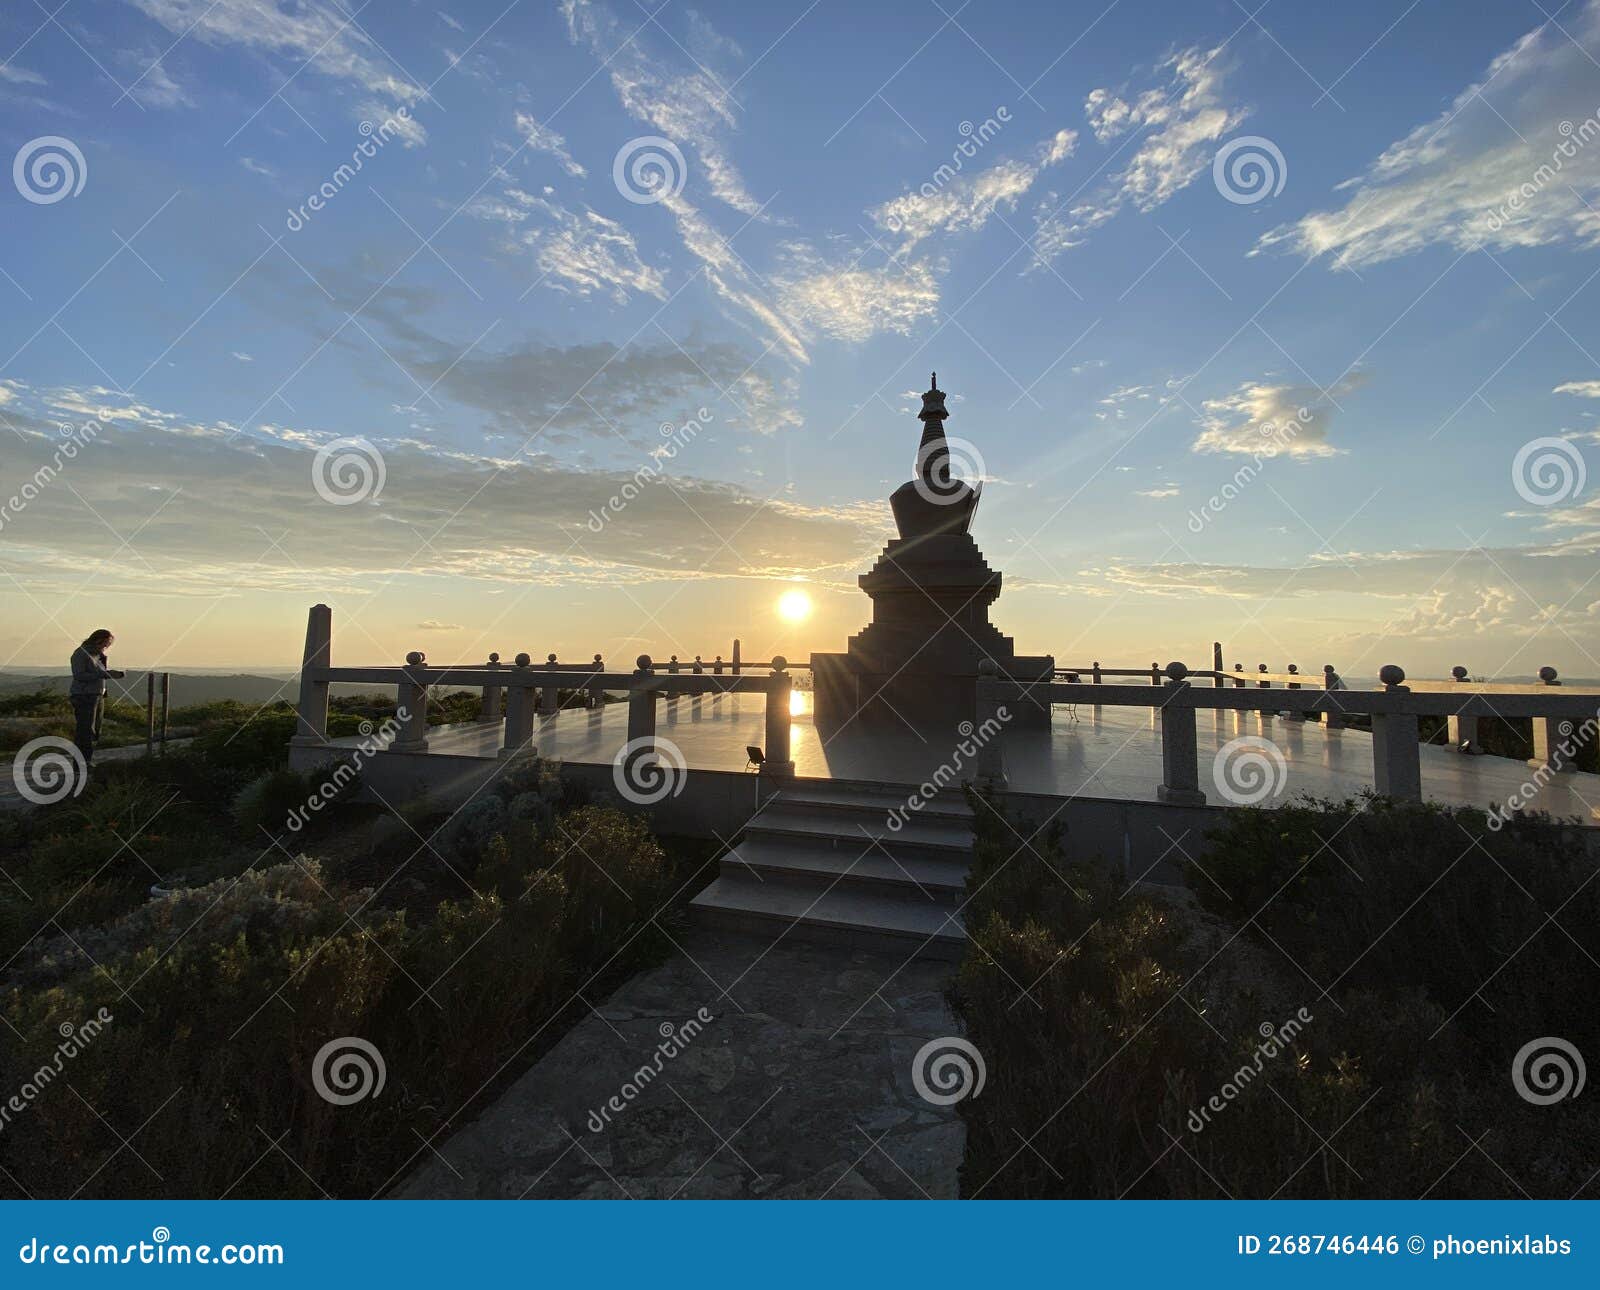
852, 799
852, 917
919, 838
800, 861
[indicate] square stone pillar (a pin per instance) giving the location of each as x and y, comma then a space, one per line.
1180, 749
1396, 753
780, 686
312, 728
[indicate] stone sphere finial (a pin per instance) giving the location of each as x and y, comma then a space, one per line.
779, 662
416, 658
644, 662
1460, 673
523, 660
987, 667
1294, 670
549, 658
1391, 674
1261, 667
1177, 671
1547, 674
598, 660
494, 658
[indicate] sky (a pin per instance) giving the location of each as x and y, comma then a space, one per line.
600, 326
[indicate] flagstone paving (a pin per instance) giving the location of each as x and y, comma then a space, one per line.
799, 1086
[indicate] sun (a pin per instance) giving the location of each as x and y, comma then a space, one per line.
794, 606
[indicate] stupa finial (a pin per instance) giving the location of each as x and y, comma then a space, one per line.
933, 381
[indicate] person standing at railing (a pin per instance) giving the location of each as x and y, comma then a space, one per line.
88, 690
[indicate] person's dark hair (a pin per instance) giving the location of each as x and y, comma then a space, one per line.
98, 638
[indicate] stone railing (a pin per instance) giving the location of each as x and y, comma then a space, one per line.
531, 691
1562, 719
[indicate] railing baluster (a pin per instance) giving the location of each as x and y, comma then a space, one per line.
1554, 738
1180, 749
1396, 754
780, 685
490, 711
411, 706
519, 712
1462, 729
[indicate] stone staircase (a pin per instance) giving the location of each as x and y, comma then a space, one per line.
820, 862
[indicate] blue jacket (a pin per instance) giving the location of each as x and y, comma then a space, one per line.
89, 673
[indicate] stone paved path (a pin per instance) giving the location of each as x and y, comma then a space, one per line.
800, 1086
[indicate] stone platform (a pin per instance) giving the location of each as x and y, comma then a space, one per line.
1096, 753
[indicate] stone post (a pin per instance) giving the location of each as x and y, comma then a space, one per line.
779, 687
1396, 755
549, 695
736, 656
412, 706
312, 728
1332, 716
1463, 729
597, 694
519, 713
491, 693
1180, 749
1294, 685
642, 706
1216, 664
1555, 739
991, 763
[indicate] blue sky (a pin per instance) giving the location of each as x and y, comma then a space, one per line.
1023, 196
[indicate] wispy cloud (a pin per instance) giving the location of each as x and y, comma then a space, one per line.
1266, 419
543, 139
1178, 124
1513, 162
